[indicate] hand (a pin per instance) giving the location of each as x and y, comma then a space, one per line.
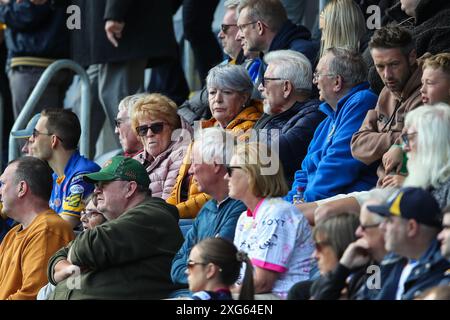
64, 269
322, 212
394, 181
113, 31
356, 255
393, 159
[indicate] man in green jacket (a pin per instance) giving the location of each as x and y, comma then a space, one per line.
130, 255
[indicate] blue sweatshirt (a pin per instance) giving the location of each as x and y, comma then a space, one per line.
212, 221
329, 168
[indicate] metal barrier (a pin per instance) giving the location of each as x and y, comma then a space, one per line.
28, 110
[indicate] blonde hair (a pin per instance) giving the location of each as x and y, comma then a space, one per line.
155, 106
438, 61
270, 184
344, 26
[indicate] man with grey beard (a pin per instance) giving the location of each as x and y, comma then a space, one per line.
290, 115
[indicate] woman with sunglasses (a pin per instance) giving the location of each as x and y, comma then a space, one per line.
165, 137
213, 267
331, 237
274, 234
229, 94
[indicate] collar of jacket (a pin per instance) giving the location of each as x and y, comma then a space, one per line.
412, 85
430, 258
329, 111
288, 33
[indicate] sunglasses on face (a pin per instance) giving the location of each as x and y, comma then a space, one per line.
190, 264
119, 121
154, 127
226, 27
230, 169
369, 226
320, 245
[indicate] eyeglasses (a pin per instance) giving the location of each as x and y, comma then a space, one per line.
37, 133
320, 245
190, 264
230, 169
369, 226
225, 27
119, 121
154, 127
265, 79
241, 26
316, 75
406, 139
89, 213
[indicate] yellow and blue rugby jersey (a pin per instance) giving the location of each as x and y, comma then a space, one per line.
69, 190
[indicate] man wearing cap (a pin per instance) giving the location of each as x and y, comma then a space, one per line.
26, 134
55, 139
129, 256
411, 226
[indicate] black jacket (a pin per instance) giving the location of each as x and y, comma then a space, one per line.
35, 30
297, 126
148, 31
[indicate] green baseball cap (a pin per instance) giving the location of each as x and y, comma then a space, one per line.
120, 168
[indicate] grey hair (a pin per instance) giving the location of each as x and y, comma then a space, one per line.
129, 102
231, 4
215, 145
348, 64
293, 66
231, 77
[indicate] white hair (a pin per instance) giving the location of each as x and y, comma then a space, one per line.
231, 4
293, 66
215, 145
129, 102
431, 163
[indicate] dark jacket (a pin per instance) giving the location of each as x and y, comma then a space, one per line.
293, 37
432, 28
126, 258
35, 30
297, 38
148, 31
297, 126
429, 272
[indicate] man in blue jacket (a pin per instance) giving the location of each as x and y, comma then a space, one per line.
411, 227
290, 115
218, 217
329, 168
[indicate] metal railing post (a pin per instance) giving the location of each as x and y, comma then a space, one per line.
28, 109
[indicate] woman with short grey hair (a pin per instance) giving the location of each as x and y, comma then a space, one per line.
229, 91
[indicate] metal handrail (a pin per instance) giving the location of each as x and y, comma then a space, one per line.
28, 109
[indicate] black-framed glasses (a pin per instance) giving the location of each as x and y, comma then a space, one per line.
369, 226
406, 137
154, 127
241, 26
265, 79
231, 168
37, 133
190, 264
119, 121
225, 27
